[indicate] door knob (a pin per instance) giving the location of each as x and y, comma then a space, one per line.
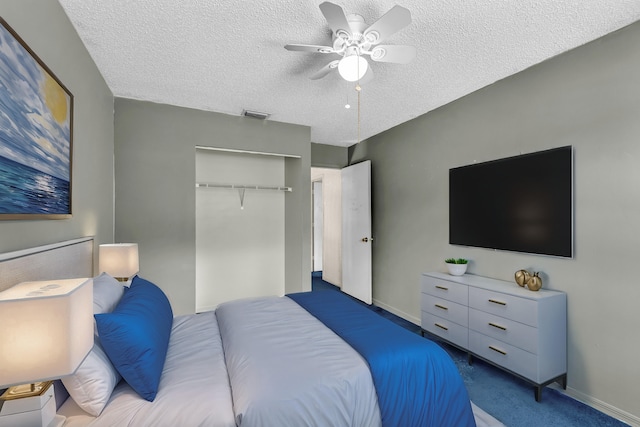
366, 239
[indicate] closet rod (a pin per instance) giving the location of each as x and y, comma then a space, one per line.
241, 187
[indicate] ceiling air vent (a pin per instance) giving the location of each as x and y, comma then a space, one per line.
255, 114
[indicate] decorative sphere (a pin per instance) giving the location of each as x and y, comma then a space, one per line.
522, 277
534, 283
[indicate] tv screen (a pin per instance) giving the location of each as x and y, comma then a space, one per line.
522, 203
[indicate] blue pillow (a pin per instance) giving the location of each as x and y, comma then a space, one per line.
135, 335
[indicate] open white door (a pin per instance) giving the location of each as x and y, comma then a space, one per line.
356, 231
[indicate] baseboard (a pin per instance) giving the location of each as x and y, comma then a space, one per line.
397, 312
599, 405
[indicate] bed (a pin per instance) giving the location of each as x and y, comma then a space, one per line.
308, 359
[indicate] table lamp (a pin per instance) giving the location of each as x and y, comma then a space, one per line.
120, 260
47, 331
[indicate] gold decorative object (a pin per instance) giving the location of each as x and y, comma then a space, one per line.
534, 283
522, 276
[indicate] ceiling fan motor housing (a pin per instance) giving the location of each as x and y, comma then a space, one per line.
352, 42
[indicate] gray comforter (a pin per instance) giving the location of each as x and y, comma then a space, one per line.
287, 369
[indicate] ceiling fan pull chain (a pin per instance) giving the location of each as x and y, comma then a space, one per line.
358, 89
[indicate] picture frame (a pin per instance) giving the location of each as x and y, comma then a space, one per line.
36, 135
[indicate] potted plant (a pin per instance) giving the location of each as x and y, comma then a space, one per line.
456, 266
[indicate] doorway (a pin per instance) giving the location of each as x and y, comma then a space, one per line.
343, 233
317, 221
327, 238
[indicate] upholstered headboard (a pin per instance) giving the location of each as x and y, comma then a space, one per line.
63, 260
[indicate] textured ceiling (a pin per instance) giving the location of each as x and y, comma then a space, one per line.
226, 56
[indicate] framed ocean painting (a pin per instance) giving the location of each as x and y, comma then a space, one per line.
36, 129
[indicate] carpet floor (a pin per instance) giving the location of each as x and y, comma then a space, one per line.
507, 398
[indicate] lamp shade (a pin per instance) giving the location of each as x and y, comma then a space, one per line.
120, 260
47, 330
352, 67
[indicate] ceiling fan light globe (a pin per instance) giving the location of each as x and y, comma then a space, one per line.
352, 68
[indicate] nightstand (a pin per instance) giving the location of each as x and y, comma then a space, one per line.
34, 411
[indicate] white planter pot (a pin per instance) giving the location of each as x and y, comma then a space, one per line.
457, 269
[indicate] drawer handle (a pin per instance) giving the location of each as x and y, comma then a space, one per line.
441, 327
497, 302
497, 350
444, 288
442, 307
497, 326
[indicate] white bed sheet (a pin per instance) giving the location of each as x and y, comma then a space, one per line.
194, 388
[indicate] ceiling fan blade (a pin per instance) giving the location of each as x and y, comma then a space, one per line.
325, 70
394, 20
309, 48
398, 54
337, 20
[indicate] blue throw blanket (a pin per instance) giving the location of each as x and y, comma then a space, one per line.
416, 381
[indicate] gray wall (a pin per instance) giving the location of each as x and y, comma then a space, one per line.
44, 26
588, 98
329, 156
155, 188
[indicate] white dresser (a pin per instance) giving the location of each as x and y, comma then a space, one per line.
518, 330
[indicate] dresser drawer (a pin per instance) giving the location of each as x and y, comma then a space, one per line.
445, 309
451, 291
506, 330
512, 358
504, 305
450, 331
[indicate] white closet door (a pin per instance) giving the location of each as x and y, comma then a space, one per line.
239, 252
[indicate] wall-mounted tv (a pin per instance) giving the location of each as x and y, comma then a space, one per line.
522, 203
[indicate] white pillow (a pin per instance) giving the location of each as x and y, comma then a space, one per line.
93, 382
107, 292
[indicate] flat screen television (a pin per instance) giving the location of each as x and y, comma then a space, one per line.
522, 203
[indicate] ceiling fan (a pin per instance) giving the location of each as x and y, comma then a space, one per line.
353, 39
